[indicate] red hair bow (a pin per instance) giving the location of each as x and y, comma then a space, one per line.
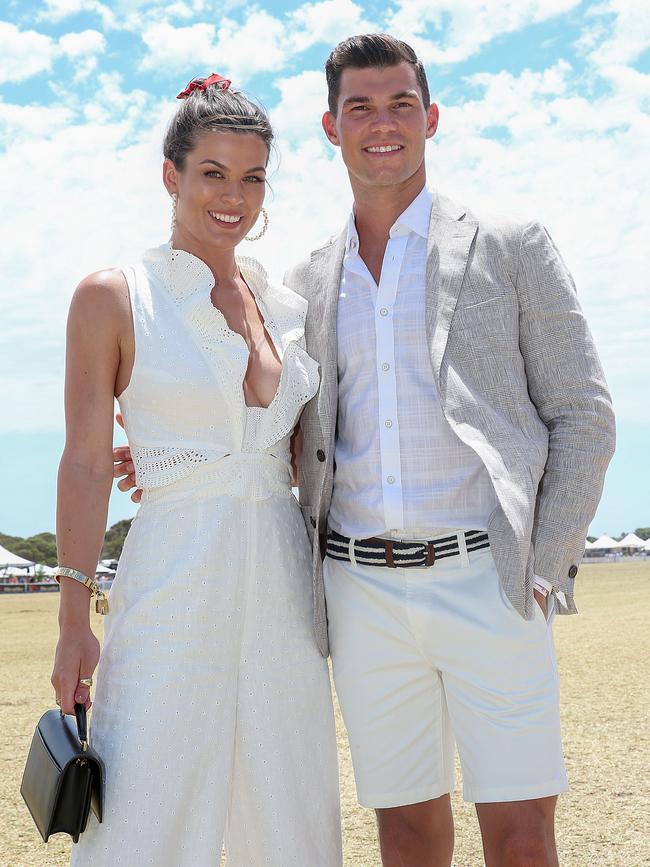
221, 82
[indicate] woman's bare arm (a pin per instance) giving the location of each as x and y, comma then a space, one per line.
98, 326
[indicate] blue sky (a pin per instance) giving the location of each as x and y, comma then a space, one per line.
544, 113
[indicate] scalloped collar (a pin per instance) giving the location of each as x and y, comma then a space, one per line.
185, 275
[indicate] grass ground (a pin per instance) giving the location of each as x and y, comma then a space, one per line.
604, 661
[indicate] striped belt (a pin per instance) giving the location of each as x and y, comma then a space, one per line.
387, 552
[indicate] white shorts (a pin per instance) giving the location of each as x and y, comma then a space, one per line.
423, 657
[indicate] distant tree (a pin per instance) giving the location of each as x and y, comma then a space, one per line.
643, 532
114, 540
40, 548
591, 538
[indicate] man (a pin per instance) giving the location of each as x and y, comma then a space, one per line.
451, 464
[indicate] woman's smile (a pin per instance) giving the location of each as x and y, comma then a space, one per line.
228, 221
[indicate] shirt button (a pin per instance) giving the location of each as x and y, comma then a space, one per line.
320, 454
388, 423
385, 366
383, 311
390, 480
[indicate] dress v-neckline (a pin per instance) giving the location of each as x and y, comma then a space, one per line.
268, 336
207, 284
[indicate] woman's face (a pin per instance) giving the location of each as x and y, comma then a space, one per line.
220, 189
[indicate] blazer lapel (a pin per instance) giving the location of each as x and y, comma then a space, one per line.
448, 247
325, 274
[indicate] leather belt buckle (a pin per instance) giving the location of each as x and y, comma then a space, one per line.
429, 552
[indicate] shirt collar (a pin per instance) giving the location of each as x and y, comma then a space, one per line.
417, 216
414, 219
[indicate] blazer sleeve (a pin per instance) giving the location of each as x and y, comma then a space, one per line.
567, 385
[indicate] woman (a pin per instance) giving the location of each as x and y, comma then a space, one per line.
213, 709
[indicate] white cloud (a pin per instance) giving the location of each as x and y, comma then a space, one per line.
176, 47
82, 44
626, 40
87, 196
20, 123
83, 49
303, 99
329, 21
256, 46
111, 104
235, 51
261, 43
465, 25
24, 53
58, 10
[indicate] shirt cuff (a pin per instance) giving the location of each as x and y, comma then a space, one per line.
545, 587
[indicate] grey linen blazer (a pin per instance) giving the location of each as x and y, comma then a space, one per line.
519, 381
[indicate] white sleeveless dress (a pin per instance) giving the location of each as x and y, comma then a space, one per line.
213, 708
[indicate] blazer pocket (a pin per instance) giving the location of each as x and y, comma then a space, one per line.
494, 300
488, 316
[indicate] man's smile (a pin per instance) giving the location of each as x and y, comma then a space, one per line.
383, 149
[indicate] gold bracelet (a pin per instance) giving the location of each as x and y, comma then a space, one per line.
101, 603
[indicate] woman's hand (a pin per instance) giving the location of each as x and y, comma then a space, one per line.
124, 470
123, 467
77, 655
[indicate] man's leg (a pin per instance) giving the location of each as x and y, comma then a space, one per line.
519, 833
395, 712
501, 685
418, 835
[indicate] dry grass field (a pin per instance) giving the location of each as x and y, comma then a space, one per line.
604, 659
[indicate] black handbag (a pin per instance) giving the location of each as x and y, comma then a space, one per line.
64, 776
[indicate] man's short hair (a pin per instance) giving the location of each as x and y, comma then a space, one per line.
371, 50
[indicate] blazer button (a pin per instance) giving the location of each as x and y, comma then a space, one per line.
320, 454
312, 521
573, 571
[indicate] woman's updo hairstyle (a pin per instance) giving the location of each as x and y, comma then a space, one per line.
211, 108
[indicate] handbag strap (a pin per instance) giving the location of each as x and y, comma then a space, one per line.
82, 724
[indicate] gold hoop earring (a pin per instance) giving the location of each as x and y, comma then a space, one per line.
174, 205
265, 216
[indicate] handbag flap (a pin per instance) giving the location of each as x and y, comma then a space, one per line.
54, 752
40, 783
60, 736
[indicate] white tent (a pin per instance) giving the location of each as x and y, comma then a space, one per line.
631, 541
588, 544
605, 543
7, 559
647, 545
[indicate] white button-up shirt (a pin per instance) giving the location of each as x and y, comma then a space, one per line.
400, 468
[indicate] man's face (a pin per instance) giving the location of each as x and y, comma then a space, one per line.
381, 125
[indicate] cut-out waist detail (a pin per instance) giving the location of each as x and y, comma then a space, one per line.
241, 475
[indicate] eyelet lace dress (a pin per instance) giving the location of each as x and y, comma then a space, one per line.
213, 709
